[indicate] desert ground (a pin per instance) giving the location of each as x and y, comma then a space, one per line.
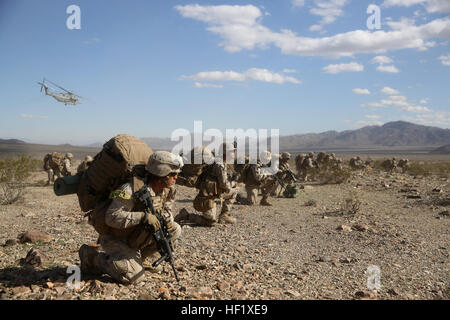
308, 247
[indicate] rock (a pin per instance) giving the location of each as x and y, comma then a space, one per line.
60, 290
344, 227
365, 295
444, 213
164, 293
223, 285
203, 292
274, 292
201, 267
35, 258
293, 293
437, 190
49, 285
11, 242
18, 291
413, 196
392, 292
360, 227
34, 236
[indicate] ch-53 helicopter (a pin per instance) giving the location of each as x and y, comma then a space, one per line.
67, 98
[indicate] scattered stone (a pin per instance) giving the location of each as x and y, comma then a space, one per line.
344, 227
18, 291
49, 285
201, 267
293, 293
164, 293
365, 295
33, 237
444, 213
360, 227
95, 287
11, 242
203, 292
413, 196
35, 258
392, 292
60, 290
274, 292
223, 285
437, 190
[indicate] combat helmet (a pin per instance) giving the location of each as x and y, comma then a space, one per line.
69, 155
88, 158
285, 156
163, 163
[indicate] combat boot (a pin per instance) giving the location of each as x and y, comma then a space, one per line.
264, 202
183, 215
226, 218
88, 255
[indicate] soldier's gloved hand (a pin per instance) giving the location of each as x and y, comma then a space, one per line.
154, 222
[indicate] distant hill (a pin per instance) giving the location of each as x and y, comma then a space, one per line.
11, 141
398, 135
391, 134
442, 150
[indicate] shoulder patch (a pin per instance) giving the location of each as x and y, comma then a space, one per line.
119, 194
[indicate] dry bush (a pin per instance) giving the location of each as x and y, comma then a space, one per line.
13, 173
352, 203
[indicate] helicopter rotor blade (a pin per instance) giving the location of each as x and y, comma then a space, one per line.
59, 86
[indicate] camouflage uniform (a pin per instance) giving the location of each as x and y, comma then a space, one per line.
85, 164
256, 180
404, 164
214, 186
55, 170
126, 242
307, 164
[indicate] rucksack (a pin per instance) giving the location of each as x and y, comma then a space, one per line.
122, 159
47, 161
56, 161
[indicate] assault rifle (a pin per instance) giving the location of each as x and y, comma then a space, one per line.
291, 174
161, 236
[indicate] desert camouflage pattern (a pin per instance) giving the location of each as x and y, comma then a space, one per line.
122, 262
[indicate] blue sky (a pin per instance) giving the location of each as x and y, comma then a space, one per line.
150, 67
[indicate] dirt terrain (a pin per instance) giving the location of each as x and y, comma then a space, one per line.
302, 248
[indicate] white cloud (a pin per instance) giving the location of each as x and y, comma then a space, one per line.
329, 10
32, 116
372, 116
240, 27
431, 6
423, 101
207, 85
365, 123
360, 91
401, 102
390, 69
254, 74
381, 60
439, 118
389, 91
445, 60
289, 71
344, 67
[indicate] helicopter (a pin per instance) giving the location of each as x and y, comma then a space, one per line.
66, 97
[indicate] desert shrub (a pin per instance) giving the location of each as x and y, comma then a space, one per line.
351, 203
418, 169
13, 172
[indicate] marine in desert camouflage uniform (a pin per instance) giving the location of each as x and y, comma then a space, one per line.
214, 186
55, 170
256, 178
126, 241
85, 164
